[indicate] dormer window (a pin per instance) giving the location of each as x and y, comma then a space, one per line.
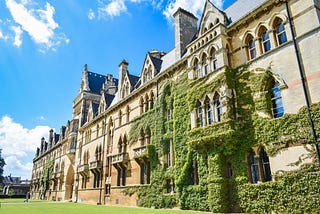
147, 74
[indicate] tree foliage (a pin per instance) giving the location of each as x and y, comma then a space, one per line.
2, 164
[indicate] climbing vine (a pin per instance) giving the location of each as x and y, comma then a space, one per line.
247, 123
46, 177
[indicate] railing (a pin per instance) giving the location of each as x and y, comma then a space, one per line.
71, 151
56, 175
138, 152
95, 164
119, 158
82, 168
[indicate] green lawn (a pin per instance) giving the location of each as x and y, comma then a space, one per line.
17, 200
72, 208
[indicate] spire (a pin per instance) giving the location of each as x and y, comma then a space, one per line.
85, 81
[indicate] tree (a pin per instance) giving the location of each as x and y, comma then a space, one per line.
2, 163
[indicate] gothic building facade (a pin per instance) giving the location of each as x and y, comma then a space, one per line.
223, 114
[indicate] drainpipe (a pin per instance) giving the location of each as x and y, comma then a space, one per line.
303, 81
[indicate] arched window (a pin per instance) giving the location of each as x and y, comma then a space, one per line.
265, 166
199, 115
280, 31
151, 100
128, 114
97, 130
259, 166
193, 173
145, 75
276, 99
149, 73
120, 145
110, 135
251, 47
209, 111
265, 40
124, 143
98, 152
103, 128
85, 157
120, 118
217, 108
146, 104
213, 59
197, 68
253, 163
205, 64
141, 105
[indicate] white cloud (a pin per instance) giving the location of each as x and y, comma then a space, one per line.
17, 38
17, 169
18, 142
41, 118
91, 14
38, 23
114, 8
193, 6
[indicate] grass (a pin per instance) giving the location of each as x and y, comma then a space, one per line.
17, 200
72, 208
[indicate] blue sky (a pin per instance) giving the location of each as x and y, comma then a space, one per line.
44, 45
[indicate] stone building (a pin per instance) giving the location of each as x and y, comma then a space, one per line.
219, 123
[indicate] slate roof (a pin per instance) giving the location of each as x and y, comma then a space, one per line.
109, 98
133, 79
95, 108
95, 82
156, 62
56, 138
168, 60
240, 8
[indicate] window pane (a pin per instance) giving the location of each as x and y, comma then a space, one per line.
209, 112
252, 49
266, 42
281, 33
277, 104
266, 166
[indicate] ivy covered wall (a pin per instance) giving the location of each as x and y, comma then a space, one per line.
220, 145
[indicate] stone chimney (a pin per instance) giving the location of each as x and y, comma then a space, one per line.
185, 27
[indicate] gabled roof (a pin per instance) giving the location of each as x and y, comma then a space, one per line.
240, 8
168, 60
156, 62
207, 4
133, 79
109, 98
95, 108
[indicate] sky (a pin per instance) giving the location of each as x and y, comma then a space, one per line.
44, 45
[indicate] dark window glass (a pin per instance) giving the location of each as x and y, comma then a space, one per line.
276, 98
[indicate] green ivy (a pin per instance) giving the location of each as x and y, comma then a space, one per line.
46, 177
228, 141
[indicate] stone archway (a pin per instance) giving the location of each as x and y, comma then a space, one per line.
69, 184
